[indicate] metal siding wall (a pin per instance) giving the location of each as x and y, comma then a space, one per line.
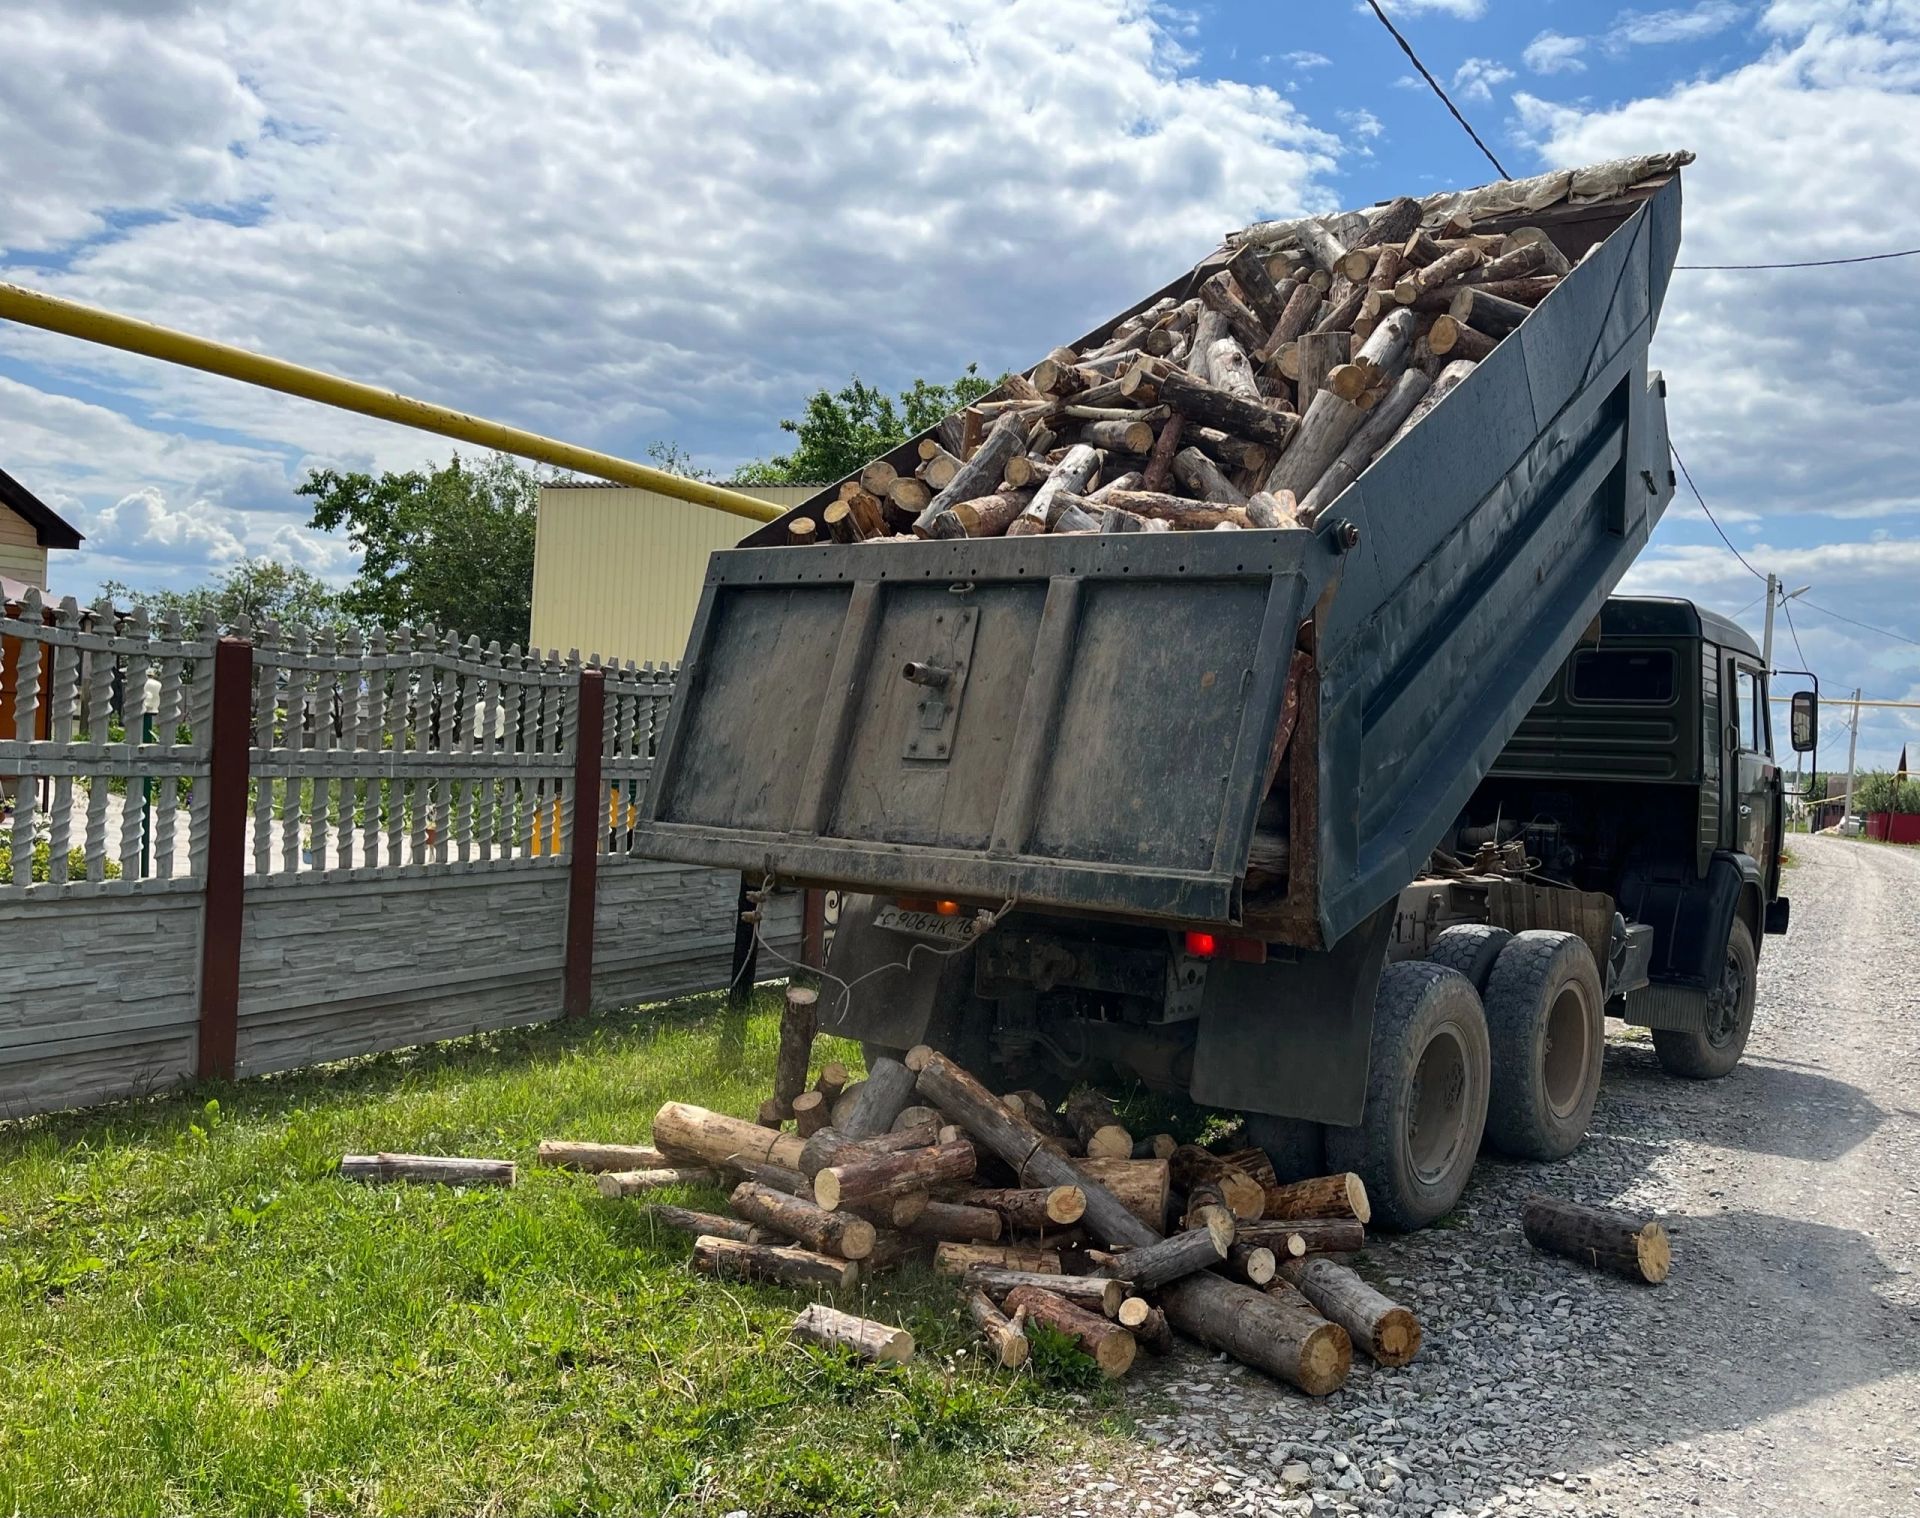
617, 571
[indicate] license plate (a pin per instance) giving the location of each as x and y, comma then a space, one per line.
928, 924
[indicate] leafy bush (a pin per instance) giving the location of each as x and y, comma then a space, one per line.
1882, 792
43, 861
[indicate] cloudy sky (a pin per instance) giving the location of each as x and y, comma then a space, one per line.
627, 220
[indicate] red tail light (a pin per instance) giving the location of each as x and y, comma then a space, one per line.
1202, 945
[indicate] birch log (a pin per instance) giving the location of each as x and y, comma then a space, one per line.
831, 1329
567, 1154
1068, 477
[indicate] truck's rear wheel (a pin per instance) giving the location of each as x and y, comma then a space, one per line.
1546, 1018
1427, 1090
1297, 1147
1716, 1049
1471, 948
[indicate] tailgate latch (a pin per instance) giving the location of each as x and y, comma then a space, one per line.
942, 678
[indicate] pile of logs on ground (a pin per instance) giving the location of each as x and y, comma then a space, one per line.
1300, 352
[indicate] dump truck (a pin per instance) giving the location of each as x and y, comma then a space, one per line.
1360, 831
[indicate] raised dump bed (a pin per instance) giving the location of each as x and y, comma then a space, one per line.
1126, 722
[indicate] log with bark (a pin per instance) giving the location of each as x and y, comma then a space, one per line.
1489, 314
1212, 407
1253, 1263
810, 1113
1176, 510
1101, 1294
691, 1134
1143, 1187
1292, 1344
836, 1233
832, 1080
1244, 328
779, 1177
1151, 1266
802, 1268
1200, 477
980, 473
1382, 1327
863, 1181
1067, 478
1032, 1207
1315, 356
888, 1089
958, 1223
1328, 1196
1191, 1166
1091, 1118
1037, 1111
619, 1183
1110, 1346
570, 1154
830, 1328
957, 1259
1603, 1239
1304, 1236
1324, 431
987, 516
1451, 339
1006, 1336
686, 1220
1147, 1324
434, 1169
1444, 270
1444, 384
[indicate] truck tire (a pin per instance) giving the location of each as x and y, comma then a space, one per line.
1712, 1053
1297, 1147
1427, 1088
1546, 1017
1471, 948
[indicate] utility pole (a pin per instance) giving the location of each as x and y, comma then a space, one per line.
1766, 643
1853, 750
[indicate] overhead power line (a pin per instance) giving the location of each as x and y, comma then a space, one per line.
1688, 477
1787, 607
1856, 622
1414, 58
1813, 263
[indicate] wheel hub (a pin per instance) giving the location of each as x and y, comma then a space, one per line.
1723, 1004
1435, 1107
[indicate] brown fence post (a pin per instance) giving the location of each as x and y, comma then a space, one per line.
228, 764
589, 821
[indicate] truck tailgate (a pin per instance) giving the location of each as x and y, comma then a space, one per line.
1088, 724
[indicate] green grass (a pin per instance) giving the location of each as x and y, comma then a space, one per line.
197, 1315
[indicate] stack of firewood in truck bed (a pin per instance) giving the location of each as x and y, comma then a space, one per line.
1300, 353
1042, 1215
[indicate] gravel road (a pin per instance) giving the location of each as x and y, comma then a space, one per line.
1774, 1373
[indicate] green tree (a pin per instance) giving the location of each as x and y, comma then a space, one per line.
840, 430
259, 590
452, 547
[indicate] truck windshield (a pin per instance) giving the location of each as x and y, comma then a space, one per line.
1643, 676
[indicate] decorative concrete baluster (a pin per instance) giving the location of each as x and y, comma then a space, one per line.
26, 729
99, 716
418, 788
266, 704
569, 810
513, 706
376, 738
465, 743
532, 732
486, 736
200, 725
293, 801
446, 739
553, 723
351, 686
133, 712
166, 739
323, 701
63, 700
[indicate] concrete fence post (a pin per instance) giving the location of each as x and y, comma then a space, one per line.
586, 827
223, 908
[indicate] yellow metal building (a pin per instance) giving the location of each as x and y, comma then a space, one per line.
617, 570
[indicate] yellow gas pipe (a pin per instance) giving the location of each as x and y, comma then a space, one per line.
90, 324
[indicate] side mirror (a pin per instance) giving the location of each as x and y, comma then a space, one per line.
1806, 722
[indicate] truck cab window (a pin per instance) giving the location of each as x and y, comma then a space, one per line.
1639, 676
1749, 717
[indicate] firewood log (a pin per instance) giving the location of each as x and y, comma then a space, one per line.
1111, 1346
1015, 1142
1141, 1186
957, 1223
1034, 1107
1179, 511
769, 1115
779, 1177
1147, 1324
1131, 480
980, 473
1264, 509
831, 1146
1242, 325
835, 1233
568, 1154
1211, 407
1210, 327
1377, 1324
686, 1220
1118, 437
803, 532
1474, 307
1024, 469
810, 1113
1232, 371
1319, 243
795, 1053
940, 468
1556, 261
444, 1170
888, 1174
888, 1089
1155, 1146
1091, 1118
1227, 450
1252, 1263
1343, 306
694, 1135
1068, 478
832, 1080
955, 1259
1528, 291
1443, 270
1200, 476
729, 1258
1324, 430
1151, 1266
1160, 461
1327, 1196
1300, 1348
908, 496
1190, 1166
1054, 371
1452, 375
1032, 1206
987, 516
1316, 356
911, 1119
1264, 298
1452, 339
1101, 1294
1620, 1242
837, 518
1302, 308
829, 1328
1006, 1336
902, 1209
1303, 1236
618, 1183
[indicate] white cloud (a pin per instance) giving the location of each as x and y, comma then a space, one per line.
1682, 24
1476, 78
1552, 53
145, 525
1308, 60
1363, 124
608, 220
1464, 10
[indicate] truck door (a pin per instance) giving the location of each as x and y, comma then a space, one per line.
1755, 828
